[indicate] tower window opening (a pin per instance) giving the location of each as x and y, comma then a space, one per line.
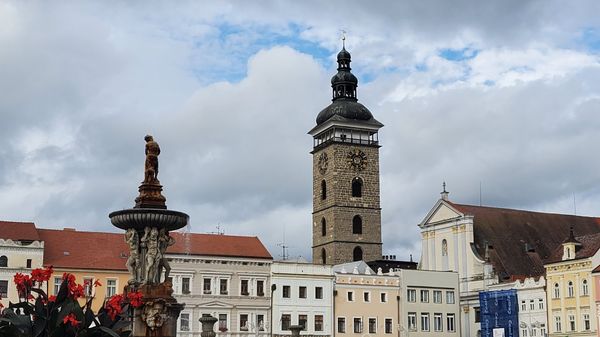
323, 190
3, 261
357, 187
357, 254
357, 225
323, 227
323, 256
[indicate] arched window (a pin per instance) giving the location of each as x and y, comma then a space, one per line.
323, 227
357, 254
584, 288
323, 190
357, 187
556, 290
323, 256
357, 225
444, 247
3, 261
570, 289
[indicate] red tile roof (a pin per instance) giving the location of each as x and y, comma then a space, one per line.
589, 246
18, 230
108, 251
596, 270
508, 231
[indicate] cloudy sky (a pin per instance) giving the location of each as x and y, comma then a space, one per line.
502, 94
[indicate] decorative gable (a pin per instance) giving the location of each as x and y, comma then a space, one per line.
442, 211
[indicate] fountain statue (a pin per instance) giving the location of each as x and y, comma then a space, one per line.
147, 227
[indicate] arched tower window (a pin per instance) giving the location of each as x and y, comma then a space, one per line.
323, 190
357, 185
556, 290
323, 256
570, 291
3, 261
323, 227
357, 254
357, 225
584, 288
444, 247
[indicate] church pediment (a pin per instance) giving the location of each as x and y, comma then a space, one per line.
442, 211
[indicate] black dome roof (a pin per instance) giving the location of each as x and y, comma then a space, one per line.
344, 76
346, 108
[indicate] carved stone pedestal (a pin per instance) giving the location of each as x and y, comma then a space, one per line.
150, 196
157, 317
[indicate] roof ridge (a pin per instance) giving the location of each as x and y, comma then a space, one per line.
523, 210
10, 221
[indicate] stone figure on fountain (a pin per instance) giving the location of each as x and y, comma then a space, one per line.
133, 262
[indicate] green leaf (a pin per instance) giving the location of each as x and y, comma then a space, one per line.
65, 310
108, 331
62, 292
40, 292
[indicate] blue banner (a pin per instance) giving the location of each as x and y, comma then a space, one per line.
499, 311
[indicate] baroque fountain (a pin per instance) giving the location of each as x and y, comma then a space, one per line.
147, 227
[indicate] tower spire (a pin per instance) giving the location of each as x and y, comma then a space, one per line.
444, 193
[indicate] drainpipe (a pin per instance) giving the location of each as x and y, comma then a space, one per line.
398, 307
273, 287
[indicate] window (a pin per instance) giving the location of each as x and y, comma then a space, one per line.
341, 324
444, 247
586, 321
450, 323
3, 261
223, 286
323, 190
260, 288
572, 322
111, 287
185, 285
88, 288
367, 296
424, 321
260, 322
286, 292
412, 321
350, 296
437, 296
323, 256
357, 254
357, 225
523, 306
523, 332
411, 295
28, 263
424, 296
184, 322
570, 289
357, 187
383, 298
286, 320
541, 303
323, 227
57, 283
531, 304
223, 322
477, 314
437, 322
318, 293
206, 285
388, 325
244, 288
533, 332
543, 331
584, 288
302, 321
557, 324
318, 322
556, 292
358, 325
243, 322
3, 288
372, 325
450, 297
302, 292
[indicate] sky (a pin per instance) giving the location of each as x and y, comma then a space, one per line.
499, 99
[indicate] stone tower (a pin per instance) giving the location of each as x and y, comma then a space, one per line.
346, 208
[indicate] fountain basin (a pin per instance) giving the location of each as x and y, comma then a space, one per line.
139, 218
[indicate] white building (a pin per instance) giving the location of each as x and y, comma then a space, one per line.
302, 295
21, 250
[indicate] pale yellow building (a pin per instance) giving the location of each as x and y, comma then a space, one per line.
365, 303
570, 291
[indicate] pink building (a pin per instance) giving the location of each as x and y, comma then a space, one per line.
596, 292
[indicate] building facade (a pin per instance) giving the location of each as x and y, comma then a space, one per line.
570, 292
346, 207
596, 290
366, 304
302, 295
429, 303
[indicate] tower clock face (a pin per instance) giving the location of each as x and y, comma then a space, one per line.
357, 159
323, 162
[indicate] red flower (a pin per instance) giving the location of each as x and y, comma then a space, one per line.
75, 290
97, 283
41, 275
52, 298
71, 319
23, 283
113, 306
135, 299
